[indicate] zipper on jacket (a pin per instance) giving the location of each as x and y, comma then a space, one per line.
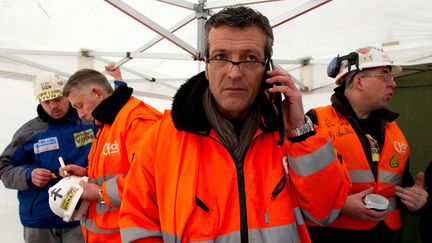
244, 237
242, 199
279, 187
32, 203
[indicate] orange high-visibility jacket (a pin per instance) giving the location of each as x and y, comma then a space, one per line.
185, 186
109, 161
391, 164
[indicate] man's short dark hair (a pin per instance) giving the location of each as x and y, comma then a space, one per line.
241, 17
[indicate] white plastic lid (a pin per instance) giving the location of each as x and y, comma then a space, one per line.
375, 201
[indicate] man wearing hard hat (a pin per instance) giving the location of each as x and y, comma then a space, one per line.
30, 163
373, 148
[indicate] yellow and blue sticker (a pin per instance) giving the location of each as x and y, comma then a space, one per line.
83, 138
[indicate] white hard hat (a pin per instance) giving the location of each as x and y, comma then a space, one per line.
367, 57
65, 195
48, 86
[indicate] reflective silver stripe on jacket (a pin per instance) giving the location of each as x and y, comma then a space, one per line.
135, 233
91, 226
361, 176
330, 218
308, 164
390, 177
278, 234
101, 180
299, 216
112, 192
102, 208
366, 176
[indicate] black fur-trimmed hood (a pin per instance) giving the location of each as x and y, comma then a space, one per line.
188, 112
107, 110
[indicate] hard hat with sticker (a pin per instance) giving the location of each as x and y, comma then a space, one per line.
48, 86
64, 197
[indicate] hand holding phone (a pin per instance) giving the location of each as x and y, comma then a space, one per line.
276, 100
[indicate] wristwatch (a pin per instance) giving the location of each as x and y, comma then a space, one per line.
100, 199
303, 129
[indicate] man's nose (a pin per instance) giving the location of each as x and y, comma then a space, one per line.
52, 104
81, 114
392, 84
234, 71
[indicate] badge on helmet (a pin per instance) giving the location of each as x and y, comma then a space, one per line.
64, 197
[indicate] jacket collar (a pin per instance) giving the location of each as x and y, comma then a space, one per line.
188, 112
342, 105
108, 109
71, 115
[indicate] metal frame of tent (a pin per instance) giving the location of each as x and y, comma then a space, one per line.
201, 11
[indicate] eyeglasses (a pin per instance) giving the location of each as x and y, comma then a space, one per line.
244, 66
386, 77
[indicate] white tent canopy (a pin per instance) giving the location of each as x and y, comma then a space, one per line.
162, 36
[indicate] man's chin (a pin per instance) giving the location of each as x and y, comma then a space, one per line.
234, 113
57, 116
90, 119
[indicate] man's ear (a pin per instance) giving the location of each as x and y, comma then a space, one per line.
97, 92
358, 82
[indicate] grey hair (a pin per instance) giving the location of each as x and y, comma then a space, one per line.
84, 78
241, 17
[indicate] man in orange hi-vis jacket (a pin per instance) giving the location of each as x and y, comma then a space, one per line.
122, 119
373, 148
212, 170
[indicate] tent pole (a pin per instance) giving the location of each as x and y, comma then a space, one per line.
201, 15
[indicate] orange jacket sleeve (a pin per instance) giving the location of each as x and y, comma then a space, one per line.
315, 160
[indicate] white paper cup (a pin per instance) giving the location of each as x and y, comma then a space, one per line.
375, 201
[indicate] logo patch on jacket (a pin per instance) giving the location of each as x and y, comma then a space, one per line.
394, 162
111, 148
83, 138
46, 144
400, 147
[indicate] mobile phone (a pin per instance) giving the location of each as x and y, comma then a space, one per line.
276, 99
268, 66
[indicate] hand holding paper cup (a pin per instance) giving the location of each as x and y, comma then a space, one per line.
377, 202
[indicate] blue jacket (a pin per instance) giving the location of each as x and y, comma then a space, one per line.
38, 144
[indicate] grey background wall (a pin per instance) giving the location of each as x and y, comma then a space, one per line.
413, 100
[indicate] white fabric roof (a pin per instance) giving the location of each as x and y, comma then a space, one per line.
57, 30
